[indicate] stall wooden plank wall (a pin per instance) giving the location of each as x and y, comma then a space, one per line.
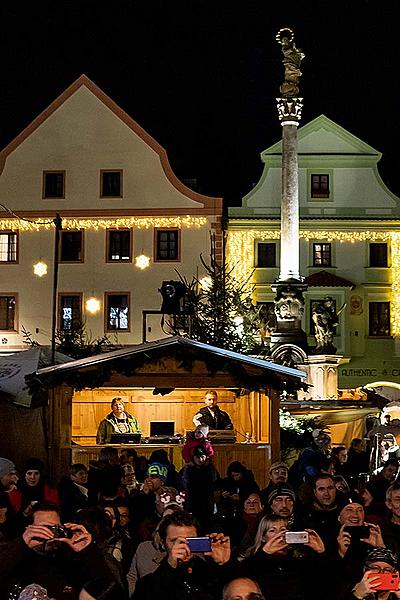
89, 407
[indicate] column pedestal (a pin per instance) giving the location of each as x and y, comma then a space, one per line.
289, 309
322, 375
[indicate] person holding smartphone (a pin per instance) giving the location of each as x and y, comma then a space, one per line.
285, 565
380, 579
185, 573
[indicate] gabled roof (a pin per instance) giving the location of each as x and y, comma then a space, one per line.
134, 361
148, 347
327, 279
340, 141
83, 80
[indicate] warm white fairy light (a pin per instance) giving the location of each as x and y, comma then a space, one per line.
206, 283
185, 222
142, 261
92, 305
240, 255
40, 269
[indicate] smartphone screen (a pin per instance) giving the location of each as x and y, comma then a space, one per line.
199, 544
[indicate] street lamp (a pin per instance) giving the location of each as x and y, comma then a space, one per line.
58, 224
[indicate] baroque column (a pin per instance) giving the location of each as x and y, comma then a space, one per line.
289, 288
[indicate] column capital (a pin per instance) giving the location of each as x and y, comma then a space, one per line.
289, 110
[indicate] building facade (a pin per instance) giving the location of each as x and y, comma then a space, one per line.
127, 224
349, 246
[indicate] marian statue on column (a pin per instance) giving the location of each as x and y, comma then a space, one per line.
292, 57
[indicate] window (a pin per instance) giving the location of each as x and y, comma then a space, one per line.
167, 244
319, 186
70, 315
54, 184
8, 246
322, 255
266, 254
118, 245
8, 303
71, 243
379, 319
117, 312
378, 255
111, 184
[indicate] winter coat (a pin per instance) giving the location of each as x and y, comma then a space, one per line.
109, 425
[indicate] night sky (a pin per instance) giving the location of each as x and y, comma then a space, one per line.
201, 76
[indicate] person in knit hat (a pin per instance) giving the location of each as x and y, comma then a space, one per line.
34, 592
32, 488
377, 561
281, 500
8, 475
196, 438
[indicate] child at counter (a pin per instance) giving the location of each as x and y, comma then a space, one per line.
197, 437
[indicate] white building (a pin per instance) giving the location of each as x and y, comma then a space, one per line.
349, 246
111, 183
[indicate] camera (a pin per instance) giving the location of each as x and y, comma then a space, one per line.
59, 531
199, 544
296, 537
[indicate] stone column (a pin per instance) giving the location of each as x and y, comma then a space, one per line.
288, 336
289, 114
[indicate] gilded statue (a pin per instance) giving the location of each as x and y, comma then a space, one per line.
292, 57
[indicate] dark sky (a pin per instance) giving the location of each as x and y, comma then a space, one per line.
201, 76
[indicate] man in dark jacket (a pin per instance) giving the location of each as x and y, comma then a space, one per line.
211, 414
182, 574
58, 557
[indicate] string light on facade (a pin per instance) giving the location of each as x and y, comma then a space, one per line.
240, 255
142, 261
185, 222
40, 269
92, 305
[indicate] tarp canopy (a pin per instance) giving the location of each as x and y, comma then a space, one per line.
14, 367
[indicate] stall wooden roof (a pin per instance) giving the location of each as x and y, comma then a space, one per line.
177, 361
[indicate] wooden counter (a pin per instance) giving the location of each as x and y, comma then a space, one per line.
256, 457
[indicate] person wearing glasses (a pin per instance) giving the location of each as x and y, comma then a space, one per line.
379, 563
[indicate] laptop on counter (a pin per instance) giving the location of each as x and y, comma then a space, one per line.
162, 429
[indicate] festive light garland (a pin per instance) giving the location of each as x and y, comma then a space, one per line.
240, 255
185, 222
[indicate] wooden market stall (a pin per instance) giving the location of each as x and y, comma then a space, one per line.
165, 381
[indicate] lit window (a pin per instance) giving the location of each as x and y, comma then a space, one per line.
322, 255
70, 311
119, 245
379, 319
117, 312
71, 243
53, 184
8, 247
8, 312
167, 244
378, 255
111, 184
319, 186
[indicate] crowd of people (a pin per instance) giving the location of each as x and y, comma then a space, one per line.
127, 527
